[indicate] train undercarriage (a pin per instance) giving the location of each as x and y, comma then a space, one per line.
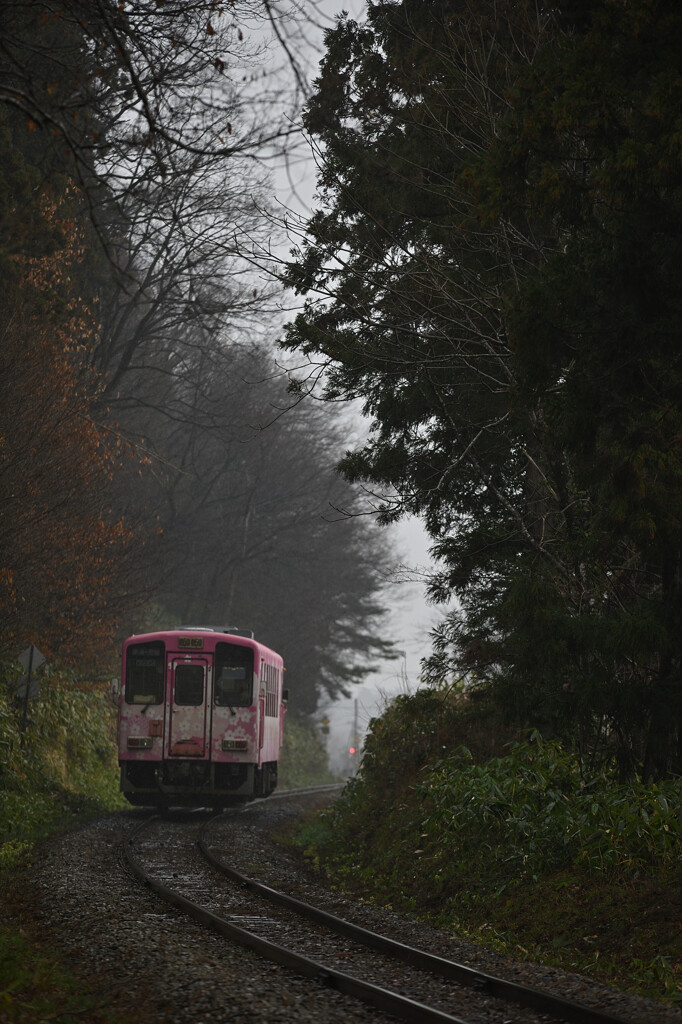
195, 783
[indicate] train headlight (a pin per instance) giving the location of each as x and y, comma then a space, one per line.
235, 744
139, 743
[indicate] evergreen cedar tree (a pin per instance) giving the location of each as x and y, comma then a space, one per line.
493, 268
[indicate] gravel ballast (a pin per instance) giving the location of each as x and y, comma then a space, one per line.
155, 966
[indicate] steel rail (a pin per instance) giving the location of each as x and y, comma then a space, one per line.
286, 794
381, 998
531, 998
283, 794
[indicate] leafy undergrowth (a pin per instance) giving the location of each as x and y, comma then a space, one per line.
64, 771
524, 852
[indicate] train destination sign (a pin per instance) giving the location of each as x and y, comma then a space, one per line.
190, 641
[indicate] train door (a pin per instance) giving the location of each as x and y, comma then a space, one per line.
188, 719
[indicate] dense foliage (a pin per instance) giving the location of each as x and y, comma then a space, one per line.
492, 269
66, 549
63, 766
527, 847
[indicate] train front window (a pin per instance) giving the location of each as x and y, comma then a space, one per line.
233, 675
189, 685
145, 673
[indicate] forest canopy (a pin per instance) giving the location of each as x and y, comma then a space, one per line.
491, 268
153, 468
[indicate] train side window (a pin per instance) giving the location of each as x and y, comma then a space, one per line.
144, 678
233, 675
189, 685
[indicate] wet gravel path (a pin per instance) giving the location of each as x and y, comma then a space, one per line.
157, 967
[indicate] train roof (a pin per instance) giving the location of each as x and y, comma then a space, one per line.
245, 637
229, 630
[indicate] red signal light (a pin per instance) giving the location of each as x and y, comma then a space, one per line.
351, 750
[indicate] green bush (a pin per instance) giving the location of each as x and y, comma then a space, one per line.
533, 812
64, 766
425, 828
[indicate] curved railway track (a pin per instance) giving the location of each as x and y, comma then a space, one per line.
178, 861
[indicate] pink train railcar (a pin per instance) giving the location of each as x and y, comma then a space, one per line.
201, 716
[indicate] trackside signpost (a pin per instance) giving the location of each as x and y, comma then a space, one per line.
30, 660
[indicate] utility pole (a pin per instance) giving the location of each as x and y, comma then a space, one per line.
354, 745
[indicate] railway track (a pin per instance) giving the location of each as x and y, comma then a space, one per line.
180, 862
